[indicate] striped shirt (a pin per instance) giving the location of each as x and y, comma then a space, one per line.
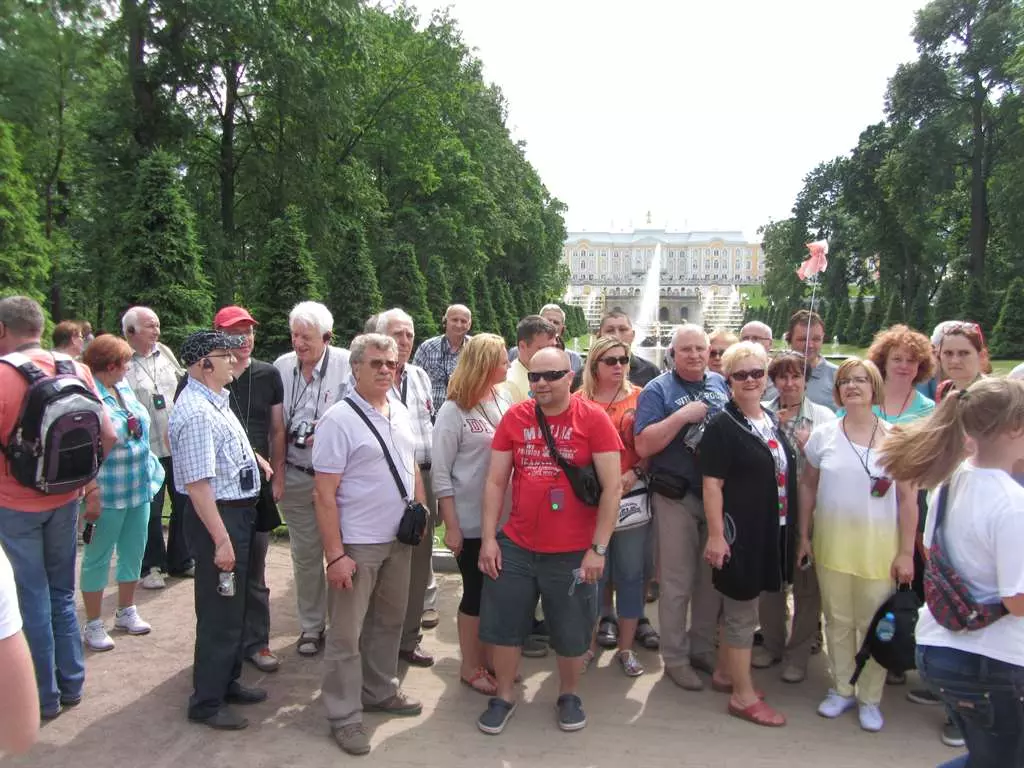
130, 474
209, 443
437, 358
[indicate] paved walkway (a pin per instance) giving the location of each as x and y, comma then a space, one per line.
134, 712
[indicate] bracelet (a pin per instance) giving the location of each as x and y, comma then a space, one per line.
342, 556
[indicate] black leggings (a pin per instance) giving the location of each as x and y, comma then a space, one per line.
472, 577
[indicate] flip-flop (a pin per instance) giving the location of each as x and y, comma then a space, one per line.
479, 679
758, 713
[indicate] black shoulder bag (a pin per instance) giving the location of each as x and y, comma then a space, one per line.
583, 480
414, 519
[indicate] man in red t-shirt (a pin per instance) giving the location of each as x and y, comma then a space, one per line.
37, 530
553, 544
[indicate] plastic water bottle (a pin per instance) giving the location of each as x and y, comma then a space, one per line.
886, 629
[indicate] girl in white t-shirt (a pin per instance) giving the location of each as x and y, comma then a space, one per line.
978, 675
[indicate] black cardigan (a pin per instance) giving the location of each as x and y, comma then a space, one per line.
763, 551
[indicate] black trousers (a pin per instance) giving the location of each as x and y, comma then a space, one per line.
177, 555
220, 621
256, 636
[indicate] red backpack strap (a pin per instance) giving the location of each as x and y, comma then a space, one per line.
944, 389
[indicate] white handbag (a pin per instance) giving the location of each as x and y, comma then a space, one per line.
635, 507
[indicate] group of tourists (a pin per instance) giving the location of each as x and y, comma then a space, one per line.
574, 492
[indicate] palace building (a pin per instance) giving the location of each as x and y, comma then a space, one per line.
699, 274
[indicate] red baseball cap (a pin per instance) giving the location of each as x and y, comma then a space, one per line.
233, 315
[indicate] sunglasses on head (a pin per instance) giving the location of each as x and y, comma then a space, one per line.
610, 361
756, 374
535, 376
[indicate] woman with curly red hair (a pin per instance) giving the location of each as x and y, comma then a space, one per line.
904, 358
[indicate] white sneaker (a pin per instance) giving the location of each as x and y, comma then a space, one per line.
834, 705
871, 717
129, 620
96, 636
153, 580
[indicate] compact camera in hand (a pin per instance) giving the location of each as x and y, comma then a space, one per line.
301, 433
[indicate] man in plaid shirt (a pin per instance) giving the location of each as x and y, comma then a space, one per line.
439, 355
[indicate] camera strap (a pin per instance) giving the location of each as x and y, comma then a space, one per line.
387, 454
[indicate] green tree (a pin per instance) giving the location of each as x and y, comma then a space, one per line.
287, 275
503, 307
872, 322
439, 292
1008, 336
976, 305
856, 321
920, 313
358, 296
485, 318
842, 321
893, 311
160, 261
24, 257
947, 301
402, 285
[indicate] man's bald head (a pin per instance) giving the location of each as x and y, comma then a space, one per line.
550, 359
757, 332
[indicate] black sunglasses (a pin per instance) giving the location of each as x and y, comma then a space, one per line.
756, 375
610, 361
534, 377
716, 352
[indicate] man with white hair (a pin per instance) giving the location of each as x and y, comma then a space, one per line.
439, 355
759, 333
412, 389
153, 375
315, 376
670, 417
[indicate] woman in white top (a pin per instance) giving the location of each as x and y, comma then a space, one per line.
864, 527
978, 675
19, 697
460, 454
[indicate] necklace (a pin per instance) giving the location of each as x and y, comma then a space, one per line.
497, 406
865, 459
769, 437
886, 415
615, 397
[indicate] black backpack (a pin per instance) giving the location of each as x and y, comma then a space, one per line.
898, 654
55, 446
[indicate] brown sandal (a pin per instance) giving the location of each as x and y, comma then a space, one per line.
759, 713
481, 682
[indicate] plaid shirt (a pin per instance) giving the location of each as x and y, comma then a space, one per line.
437, 358
130, 474
209, 443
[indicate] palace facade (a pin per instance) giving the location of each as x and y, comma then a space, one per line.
700, 273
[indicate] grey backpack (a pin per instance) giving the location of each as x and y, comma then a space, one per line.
55, 446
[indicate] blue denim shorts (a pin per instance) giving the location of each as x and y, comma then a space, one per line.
508, 602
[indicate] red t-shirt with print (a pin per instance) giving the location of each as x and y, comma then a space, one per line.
538, 483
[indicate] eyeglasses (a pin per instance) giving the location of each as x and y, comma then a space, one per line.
392, 365
860, 381
610, 361
716, 352
227, 355
748, 337
757, 374
535, 376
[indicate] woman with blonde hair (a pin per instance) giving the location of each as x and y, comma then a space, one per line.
863, 534
460, 455
606, 382
977, 519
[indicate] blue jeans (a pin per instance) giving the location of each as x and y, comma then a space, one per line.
624, 567
42, 547
984, 699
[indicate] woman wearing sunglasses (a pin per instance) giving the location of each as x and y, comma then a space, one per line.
718, 342
963, 356
606, 383
460, 454
749, 478
864, 525
128, 480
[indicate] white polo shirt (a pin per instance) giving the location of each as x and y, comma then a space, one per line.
369, 504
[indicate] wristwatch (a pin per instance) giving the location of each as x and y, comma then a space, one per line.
600, 549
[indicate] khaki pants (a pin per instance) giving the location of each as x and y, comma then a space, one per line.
682, 534
850, 603
361, 654
774, 612
421, 574
307, 550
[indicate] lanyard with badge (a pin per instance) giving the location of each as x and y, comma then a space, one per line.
159, 401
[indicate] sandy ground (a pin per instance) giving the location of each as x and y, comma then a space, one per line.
134, 711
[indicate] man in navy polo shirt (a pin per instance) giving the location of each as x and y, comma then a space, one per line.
670, 418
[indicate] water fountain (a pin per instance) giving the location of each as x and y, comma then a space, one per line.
648, 342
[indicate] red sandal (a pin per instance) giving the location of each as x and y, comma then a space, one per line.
481, 682
759, 713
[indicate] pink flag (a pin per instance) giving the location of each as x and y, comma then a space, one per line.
816, 262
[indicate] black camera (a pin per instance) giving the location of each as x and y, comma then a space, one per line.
301, 433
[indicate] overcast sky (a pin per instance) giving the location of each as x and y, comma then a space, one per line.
708, 113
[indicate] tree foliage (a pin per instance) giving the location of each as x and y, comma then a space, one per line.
24, 257
1008, 336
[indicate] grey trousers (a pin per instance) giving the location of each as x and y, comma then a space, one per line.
421, 576
361, 654
307, 550
685, 580
774, 610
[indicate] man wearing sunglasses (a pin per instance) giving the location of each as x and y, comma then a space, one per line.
553, 543
670, 418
